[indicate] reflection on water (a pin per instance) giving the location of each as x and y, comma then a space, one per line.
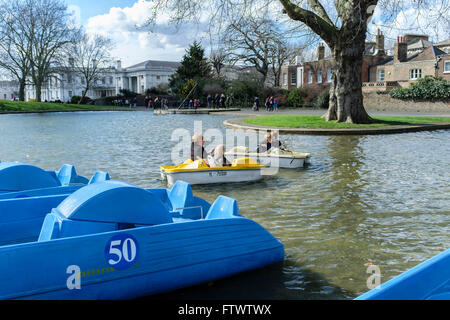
364, 199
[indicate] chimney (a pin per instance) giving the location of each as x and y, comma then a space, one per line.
380, 42
321, 52
119, 65
400, 50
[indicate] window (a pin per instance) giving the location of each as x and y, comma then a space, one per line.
284, 79
329, 74
310, 76
381, 75
447, 66
70, 94
415, 74
293, 79
319, 75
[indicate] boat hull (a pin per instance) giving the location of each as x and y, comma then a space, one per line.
214, 176
167, 257
285, 162
429, 280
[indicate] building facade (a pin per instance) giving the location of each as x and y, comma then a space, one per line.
8, 89
145, 75
406, 67
412, 57
138, 78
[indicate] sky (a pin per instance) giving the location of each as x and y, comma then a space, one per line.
119, 19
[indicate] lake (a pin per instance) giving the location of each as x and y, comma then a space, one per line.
364, 200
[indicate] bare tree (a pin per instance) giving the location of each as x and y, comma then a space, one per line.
252, 41
217, 60
47, 28
14, 44
283, 53
88, 57
341, 24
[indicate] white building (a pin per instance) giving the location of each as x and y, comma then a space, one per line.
145, 75
137, 78
8, 89
65, 85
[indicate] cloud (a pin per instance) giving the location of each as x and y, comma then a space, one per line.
135, 43
410, 20
75, 13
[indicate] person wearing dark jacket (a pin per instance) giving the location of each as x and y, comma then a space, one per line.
198, 151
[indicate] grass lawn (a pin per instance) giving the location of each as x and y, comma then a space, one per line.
316, 122
20, 106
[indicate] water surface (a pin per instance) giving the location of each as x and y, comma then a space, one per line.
382, 200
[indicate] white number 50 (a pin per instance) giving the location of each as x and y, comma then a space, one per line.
127, 251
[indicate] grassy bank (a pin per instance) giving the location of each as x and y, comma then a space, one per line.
316, 122
20, 106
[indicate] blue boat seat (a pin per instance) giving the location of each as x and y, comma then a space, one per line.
185, 204
67, 175
102, 207
16, 177
100, 176
223, 208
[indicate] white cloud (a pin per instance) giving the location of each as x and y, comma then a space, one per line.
75, 12
134, 43
410, 20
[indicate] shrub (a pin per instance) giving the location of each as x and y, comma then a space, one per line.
76, 99
428, 88
323, 100
295, 97
243, 92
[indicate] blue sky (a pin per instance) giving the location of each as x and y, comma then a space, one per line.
91, 8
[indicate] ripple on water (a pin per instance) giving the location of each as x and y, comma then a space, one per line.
378, 199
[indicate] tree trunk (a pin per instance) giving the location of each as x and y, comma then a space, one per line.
346, 99
38, 87
22, 85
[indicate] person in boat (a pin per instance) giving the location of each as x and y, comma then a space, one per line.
198, 151
217, 157
276, 143
265, 145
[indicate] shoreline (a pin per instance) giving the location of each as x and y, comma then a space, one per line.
58, 111
238, 124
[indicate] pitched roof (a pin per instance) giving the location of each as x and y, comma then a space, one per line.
428, 54
149, 64
420, 44
443, 43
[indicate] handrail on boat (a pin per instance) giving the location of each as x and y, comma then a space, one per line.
195, 207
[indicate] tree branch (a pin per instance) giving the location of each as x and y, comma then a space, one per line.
328, 32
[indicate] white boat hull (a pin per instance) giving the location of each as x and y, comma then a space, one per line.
213, 176
276, 161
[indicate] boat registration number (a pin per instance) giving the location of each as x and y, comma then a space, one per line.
218, 174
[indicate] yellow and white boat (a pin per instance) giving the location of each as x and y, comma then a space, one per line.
198, 172
273, 158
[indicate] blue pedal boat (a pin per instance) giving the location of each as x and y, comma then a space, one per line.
429, 280
113, 240
18, 180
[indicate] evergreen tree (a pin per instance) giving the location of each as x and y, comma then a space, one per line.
194, 65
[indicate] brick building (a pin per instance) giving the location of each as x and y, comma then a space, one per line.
318, 73
405, 68
413, 57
